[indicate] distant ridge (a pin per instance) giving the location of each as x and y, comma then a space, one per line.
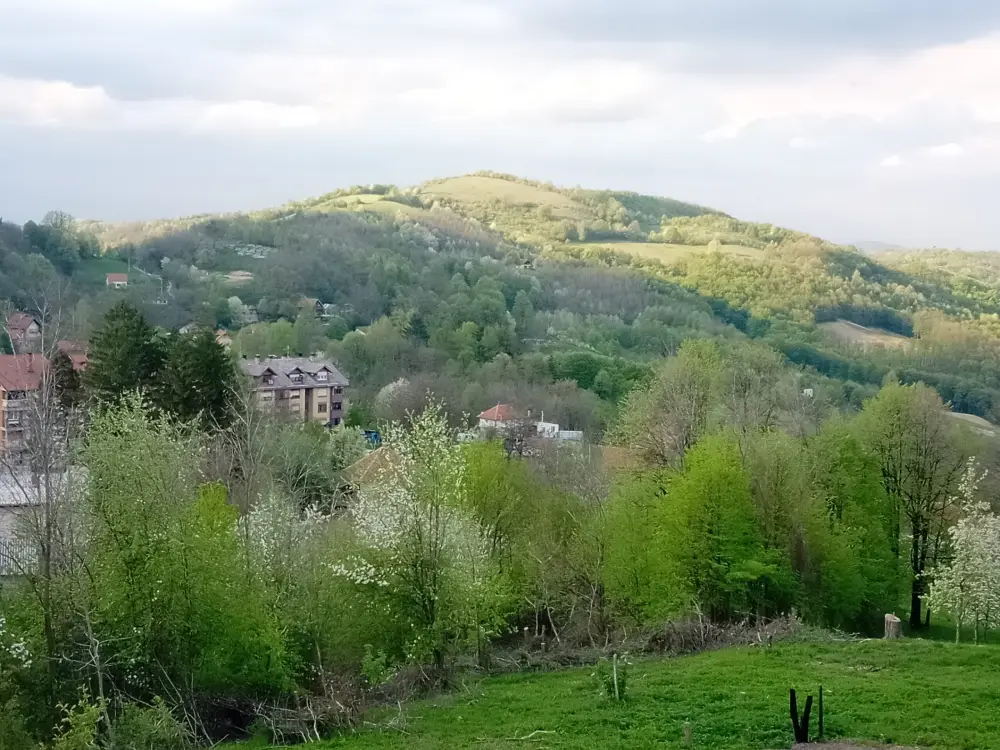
874, 246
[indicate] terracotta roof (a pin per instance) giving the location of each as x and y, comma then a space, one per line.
77, 352
115, 278
21, 372
19, 321
499, 413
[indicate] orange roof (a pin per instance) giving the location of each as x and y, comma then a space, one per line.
21, 372
116, 278
76, 351
499, 413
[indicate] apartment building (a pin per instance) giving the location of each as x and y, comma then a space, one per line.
305, 389
20, 377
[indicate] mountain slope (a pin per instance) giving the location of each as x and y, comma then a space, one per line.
569, 285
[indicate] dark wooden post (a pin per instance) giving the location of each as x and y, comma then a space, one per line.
820, 713
801, 729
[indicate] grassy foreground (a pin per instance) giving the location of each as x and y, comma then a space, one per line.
930, 694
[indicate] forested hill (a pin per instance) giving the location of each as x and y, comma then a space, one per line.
488, 288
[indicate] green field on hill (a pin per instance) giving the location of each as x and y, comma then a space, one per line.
918, 693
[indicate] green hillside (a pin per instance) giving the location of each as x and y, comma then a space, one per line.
910, 693
612, 280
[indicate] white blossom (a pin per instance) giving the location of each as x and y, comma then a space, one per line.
968, 587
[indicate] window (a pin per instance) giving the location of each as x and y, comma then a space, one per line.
337, 390
338, 405
321, 407
322, 376
296, 377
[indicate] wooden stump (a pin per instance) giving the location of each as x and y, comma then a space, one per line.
892, 627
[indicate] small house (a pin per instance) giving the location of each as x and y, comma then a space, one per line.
117, 280
24, 331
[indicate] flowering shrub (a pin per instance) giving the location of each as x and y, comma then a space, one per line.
968, 587
423, 559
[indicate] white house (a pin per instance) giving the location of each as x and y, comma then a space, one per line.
499, 417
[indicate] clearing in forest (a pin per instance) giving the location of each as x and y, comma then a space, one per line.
852, 333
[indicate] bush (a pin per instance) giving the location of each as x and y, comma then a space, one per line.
150, 728
612, 678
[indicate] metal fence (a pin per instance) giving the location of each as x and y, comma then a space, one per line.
17, 557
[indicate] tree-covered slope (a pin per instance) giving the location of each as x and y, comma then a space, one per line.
573, 286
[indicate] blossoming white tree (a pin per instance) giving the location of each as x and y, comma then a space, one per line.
968, 587
422, 547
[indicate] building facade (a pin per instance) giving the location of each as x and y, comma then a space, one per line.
305, 389
20, 378
24, 331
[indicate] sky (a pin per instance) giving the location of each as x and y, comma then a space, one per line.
855, 120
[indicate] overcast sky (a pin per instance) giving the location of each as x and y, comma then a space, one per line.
852, 119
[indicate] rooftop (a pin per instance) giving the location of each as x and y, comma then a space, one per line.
282, 368
19, 321
499, 413
21, 372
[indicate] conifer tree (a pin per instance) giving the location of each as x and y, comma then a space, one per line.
125, 355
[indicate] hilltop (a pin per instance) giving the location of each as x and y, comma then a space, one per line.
608, 282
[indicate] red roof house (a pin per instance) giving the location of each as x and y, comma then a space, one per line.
498, 414
117, 280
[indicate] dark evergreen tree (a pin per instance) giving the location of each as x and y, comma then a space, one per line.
198, 380
126, 355
66, 381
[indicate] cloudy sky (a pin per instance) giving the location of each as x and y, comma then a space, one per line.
853, 119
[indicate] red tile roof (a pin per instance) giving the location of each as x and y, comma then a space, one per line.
499, 413
19, 321
117, 278
21, 372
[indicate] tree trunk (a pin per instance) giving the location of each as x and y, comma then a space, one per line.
892, 627
917, 586
916, 622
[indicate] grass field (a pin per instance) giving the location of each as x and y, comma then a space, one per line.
852, 333
478, 189
93, 272
911, 692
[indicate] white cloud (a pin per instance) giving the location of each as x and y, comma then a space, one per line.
947, 149
38, 102
958, 78
893, 160
803, 143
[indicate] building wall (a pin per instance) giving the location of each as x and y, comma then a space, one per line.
305, 404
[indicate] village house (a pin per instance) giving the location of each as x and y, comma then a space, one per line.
117, 280
505, 420
24, 331
305, 389
20, 378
